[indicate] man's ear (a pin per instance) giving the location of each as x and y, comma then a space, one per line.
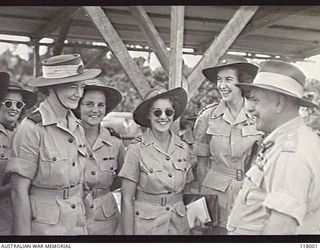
281, 102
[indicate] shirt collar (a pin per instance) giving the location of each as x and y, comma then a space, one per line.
222, 109
3, 129
285, 129
148, 139
102, 139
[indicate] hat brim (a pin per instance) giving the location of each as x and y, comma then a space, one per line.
113, 96
141, 113
28, 97
43, 82
300, 101
211, 73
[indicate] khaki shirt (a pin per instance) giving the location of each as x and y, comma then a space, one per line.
5, 144
284, 177
158, 173
226, 141
105, 157
49, 153
154, 170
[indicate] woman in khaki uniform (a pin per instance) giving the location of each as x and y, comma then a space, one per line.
156, 169
106, 152
225, 134
49, 153
13, 101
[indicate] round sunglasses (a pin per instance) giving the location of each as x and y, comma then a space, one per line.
9, 104
159, 112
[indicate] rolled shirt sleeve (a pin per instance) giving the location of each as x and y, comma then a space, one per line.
288, 186
25, 150
130, 168
201, 145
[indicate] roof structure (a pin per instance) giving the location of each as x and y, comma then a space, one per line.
289, 32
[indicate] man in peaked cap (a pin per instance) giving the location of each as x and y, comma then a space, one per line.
281, 191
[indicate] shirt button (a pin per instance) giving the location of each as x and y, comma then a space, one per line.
92, 206
167, 208
33, 217
73, 206
151, 170
111, 168
169, 192
91, 156
170, 175
167, 158
93, 172
137, 213
70, 140
73, 164
54, 158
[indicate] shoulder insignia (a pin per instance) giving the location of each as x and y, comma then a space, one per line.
207, 107
290, 143
136, 140
35, 117
114, 133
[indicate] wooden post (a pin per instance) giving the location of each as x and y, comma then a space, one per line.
220, 45
118, 48
154, 38
176, 44
57, 50
36, 60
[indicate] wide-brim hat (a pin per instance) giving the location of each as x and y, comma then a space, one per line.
234, 61
178, 95
113, 96
280, 77
29, 98
63, 69
4, 82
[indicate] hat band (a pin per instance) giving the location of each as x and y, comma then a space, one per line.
279, 81
61, 71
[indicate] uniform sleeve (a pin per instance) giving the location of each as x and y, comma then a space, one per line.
190, 175
288, 186
201, 146
130, 168
25, 150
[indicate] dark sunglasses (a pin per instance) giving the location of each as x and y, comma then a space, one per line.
9, 104
158, 112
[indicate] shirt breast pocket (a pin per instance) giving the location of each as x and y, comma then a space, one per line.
108, 164
53, 167
151, 168
219, 134
252, 189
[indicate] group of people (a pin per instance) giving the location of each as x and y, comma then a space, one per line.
253, 151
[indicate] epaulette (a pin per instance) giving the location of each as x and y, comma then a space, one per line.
136, 140
207, 107
114, 133
35, 117
290, 143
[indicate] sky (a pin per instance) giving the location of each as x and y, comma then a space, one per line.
310, 66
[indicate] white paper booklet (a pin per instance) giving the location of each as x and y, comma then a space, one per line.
198, 209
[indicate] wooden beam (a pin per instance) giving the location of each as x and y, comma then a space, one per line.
58, 20
176, 44
36, 61
220, 45
59, 44
103, 24
152, 35
270, 19
95, 59
154, 39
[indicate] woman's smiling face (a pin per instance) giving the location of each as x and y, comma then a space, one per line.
226, 80
161, 115
93, 107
